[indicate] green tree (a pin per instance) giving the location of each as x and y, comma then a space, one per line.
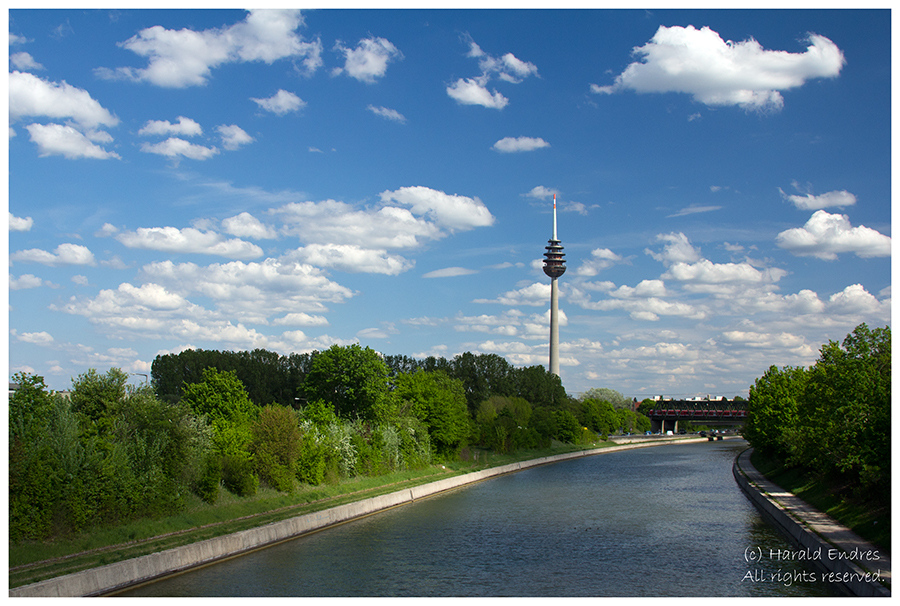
439, 401
608, 395
276, 445
354, 380
774, 399
221, 398
99, 397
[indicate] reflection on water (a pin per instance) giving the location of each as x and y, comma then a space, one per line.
660, 521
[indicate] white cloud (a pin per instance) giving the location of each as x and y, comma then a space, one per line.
678, 249
825, 236
855, 300
174, 147
469, 91
281, 103
233, 136
535, 294
30, 96
387, 113
300, 319
448, 210
24, 61
185, 127
36, 338
19, 223
333, 222
180, 58
715, 72
693, 210
24, 281
449, 272
827, 200
56, 139
542, 193
519, 144
65, 254
248, 226
188, 240
352, 258
508, 67
705, 271
600, 259
369, 60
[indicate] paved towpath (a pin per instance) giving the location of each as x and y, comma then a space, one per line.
863, 554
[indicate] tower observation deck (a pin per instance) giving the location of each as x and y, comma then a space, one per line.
554, 267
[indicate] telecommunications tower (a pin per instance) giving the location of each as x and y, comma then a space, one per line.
554, 266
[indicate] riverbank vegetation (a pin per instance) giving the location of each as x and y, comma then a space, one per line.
219, 435
823, 432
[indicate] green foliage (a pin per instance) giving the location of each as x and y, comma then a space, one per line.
237, 474
568, 429
275, 446
439, 401
599, 416
221, 398
207, 486
98, 396
604, 394
354, 380
774, 398
267, 376
833, 418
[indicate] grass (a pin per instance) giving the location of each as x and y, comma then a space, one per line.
871, 521
33, 561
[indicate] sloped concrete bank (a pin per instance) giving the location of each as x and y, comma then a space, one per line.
119, 575
843, 558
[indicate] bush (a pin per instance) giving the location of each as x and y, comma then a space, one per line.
238, 476
207, 486
275, 446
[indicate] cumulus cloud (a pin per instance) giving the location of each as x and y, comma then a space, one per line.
678, 249
535, 294
839, 198
334, 222
600, 259
825, 236
387, 114
542, 193
233, 136
519, 144
715, 72
19, 223
369, 60
705, 271
473, 91
281, 103
24, 61
246, 225
57, 139
30, 96
693, 210
181, 58
24, 281
352, 258
188, 240
448, 210
174, 147
65, 254
184, 127
286, 285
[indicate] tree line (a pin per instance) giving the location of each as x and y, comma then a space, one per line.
833, 418
211, 421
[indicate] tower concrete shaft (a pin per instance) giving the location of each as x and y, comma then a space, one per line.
554, 267
554, 327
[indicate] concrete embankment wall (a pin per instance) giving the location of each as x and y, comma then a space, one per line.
111, 577
803, 525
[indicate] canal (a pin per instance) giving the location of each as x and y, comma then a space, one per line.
660, 521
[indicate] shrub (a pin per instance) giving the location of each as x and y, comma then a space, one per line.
238, 476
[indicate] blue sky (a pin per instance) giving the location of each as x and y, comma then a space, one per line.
224, 179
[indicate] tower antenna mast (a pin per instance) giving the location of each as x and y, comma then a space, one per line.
554, 267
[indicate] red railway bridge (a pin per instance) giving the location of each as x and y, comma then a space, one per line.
721, 412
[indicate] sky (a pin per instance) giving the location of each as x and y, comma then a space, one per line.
290, 180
